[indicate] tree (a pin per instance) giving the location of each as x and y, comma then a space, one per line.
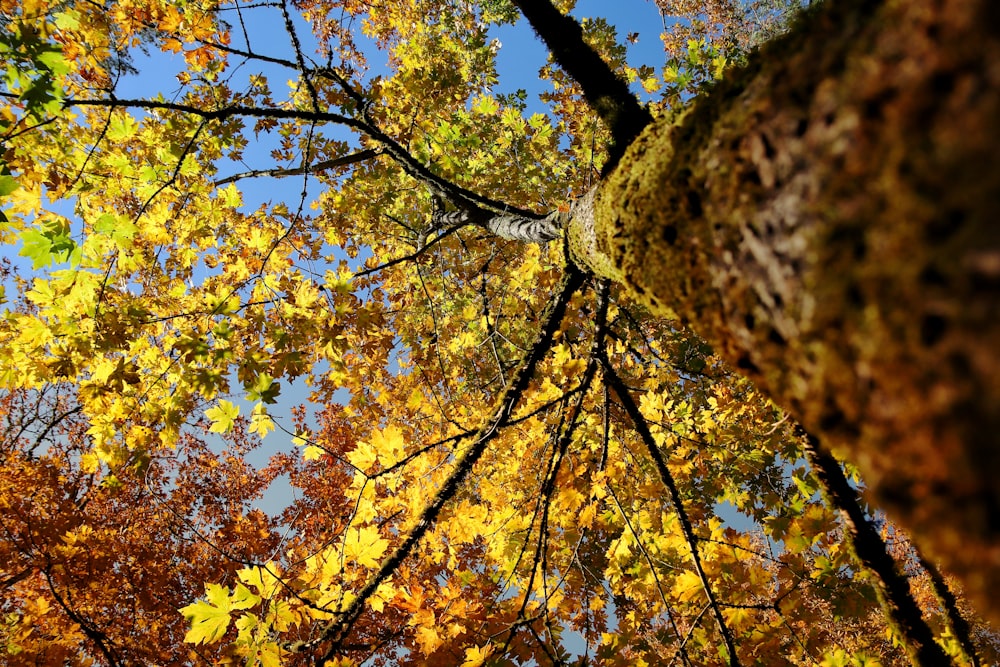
96, 571
529, 466
828, 253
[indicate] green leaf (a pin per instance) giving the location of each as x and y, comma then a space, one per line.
486, 106
36, 247
222, 416
120, 230
263, 388
210, 619
7, 185
52, 243
243, 598
52, 59
67, 20
122, 128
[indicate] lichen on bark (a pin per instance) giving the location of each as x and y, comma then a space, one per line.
827, 218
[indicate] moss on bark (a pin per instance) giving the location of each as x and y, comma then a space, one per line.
829, 220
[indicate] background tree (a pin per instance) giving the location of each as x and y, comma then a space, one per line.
526, 467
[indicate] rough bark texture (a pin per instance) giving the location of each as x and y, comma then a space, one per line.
828, 219
513, 227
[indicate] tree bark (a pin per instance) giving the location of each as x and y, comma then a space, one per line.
827, 218
510, 226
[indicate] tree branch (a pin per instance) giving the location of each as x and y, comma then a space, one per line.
892, 588
441, 187
342, 161
424, 247
605, 91
223, 113
339, 629
953, 615
642, 428
508, 226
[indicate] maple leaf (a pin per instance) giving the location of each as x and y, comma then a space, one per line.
261, 577
428, 640
261, 422
477, 655
222, 416
267, 655
209, 618
364, 546
363, 456
389, 444
688, 585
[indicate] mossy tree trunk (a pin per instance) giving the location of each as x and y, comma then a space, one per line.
829, 220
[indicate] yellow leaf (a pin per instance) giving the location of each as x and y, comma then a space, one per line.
281, 615
261, 422
738, 619
222, 416
384, 593
415, 400
687, 585
621, 551
364, 546
267, 655
428, 640
476, 656
90, 462
389, 445
326, 564
363, 456
209, 619
263, 578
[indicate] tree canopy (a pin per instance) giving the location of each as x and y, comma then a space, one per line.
327, 255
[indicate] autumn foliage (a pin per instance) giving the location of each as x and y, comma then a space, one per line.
247, 275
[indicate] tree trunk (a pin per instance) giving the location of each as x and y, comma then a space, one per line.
827, 218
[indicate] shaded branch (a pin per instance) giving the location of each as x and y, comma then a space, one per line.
339, 629
342, 161
297, 47
52, 424
892, 588
16, 578
642, 428
681, 651
956, 622
682, 647
98, 637
568, 429
605, 91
